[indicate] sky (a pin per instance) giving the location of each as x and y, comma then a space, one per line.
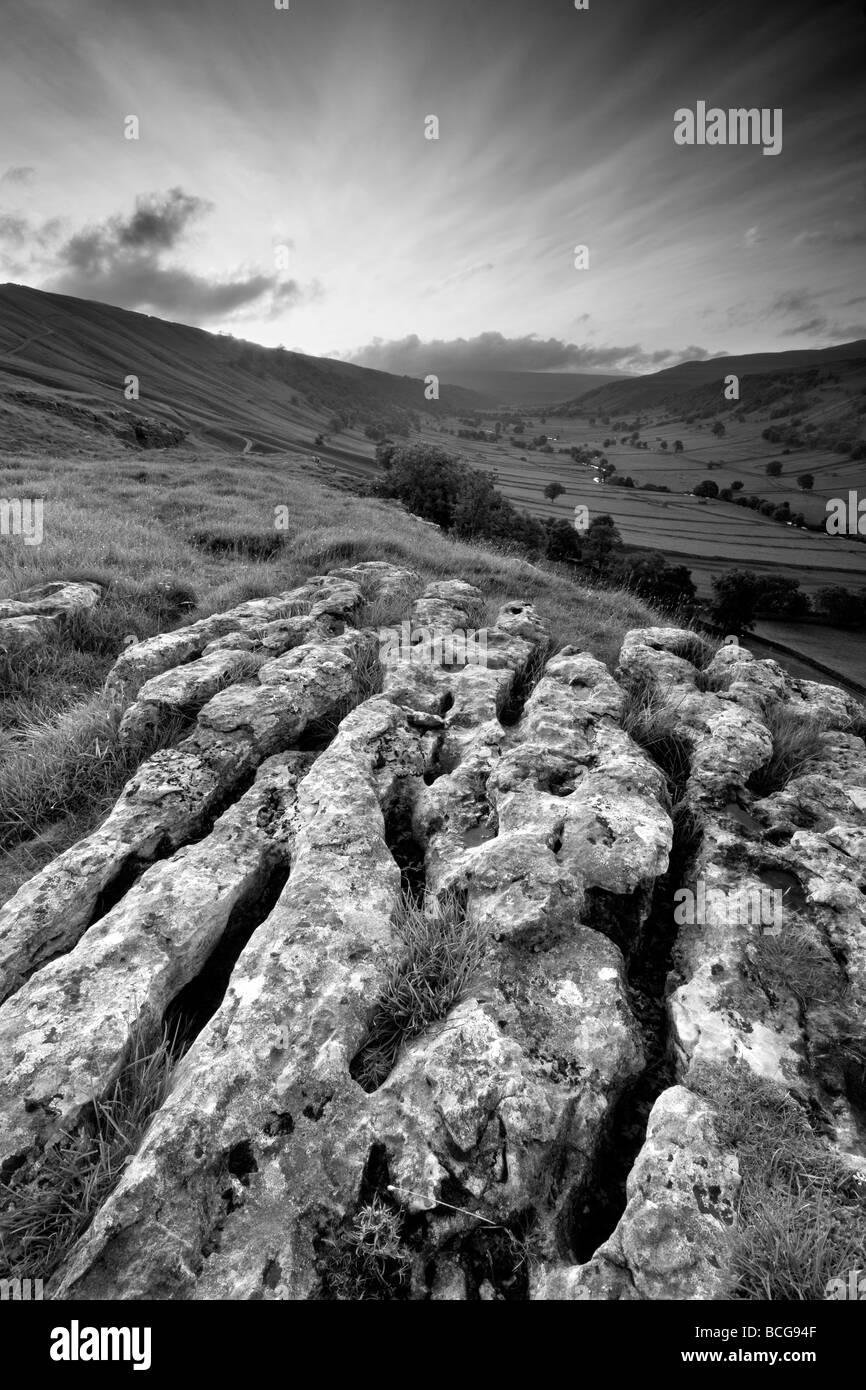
282, 189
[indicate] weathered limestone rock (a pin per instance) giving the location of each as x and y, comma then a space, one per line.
64, 1034
171, 798
509, 786
673, 1240
37, 613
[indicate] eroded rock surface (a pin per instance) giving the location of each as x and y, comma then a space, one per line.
246, 889
37, 613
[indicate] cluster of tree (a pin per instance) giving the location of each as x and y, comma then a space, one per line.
740, 596
434, 485
811, 437
398, 423
779, 511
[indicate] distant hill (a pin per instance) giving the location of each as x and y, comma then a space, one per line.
516, 389
693, 384
64, 362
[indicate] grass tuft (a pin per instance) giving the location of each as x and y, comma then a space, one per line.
801, 1211
802, 966
649, 720
368, 1260
797, 743
442, 952
46, 1206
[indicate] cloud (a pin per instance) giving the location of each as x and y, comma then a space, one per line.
19, 173
823, 327
837, 234
819, 324
461, 276
14, 229
157, 224
791, 302
494, 352
752, 237
122, 261
19, 234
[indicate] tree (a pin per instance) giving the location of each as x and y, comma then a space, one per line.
737, 485
668, 586
664, 444
563, 542
554, 490
599, 542
806, 481
707, 489
781, 598
425, 479
774, 468
678, 446
718, 429
839, 605
385, 451
736, 597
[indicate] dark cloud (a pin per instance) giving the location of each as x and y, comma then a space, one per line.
121, 261
494, 352
19, 173
157, 224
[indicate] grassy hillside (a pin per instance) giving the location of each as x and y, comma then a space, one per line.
692, 383
64, 362
175, 537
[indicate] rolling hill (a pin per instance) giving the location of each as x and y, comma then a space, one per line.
64, 362
701, 383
